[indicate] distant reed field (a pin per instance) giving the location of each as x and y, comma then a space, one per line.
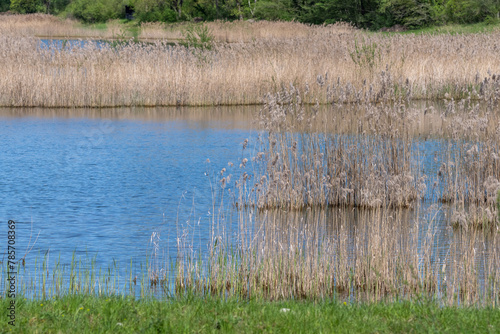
340, 64
48, 26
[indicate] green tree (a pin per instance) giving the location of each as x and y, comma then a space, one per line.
57, 6
92, 11
362, 13
157, 10
471, 11
26, 6
4, 5
409, 13
272, 10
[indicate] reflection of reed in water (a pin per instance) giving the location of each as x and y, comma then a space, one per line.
359, 254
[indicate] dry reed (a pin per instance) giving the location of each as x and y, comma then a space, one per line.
340, 65
48, 26
384, 253
305, 159
361, 255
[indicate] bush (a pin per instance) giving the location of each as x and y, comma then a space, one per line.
198, 36
26, 6
271, 11
470, 11
94, 11
4, 5
410, 13
154, 11
491, 20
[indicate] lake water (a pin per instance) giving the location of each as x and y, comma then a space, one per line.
103, 181
98, 183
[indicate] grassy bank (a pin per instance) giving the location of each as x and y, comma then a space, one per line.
85, 314
339, 63
454, 29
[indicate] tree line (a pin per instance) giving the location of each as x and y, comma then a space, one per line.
369, 14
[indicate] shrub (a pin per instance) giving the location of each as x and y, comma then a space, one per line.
26, 6
4, 5
470, 11
267, 10
154, 11
90, 11
410, 13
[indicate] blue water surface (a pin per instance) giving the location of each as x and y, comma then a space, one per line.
103, 186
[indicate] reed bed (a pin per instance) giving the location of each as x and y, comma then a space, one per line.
302, 236
48, 26
239, 31
303, 158
340, 65
322, 205
358, 255
371, 168
43, 25
341, 254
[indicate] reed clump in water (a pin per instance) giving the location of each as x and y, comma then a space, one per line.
476, 217
319, 247
308, 157
301, 166
322, 254
470, 168
340, 64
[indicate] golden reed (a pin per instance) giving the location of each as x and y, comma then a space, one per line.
338, 62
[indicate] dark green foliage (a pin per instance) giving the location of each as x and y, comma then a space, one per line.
57, 6
410, 13
361, 13
92, 11
4, 5
368, 14
155, 11
271, 11
470, 11
26, 6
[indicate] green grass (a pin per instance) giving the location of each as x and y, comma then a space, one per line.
86, 314
454, 29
